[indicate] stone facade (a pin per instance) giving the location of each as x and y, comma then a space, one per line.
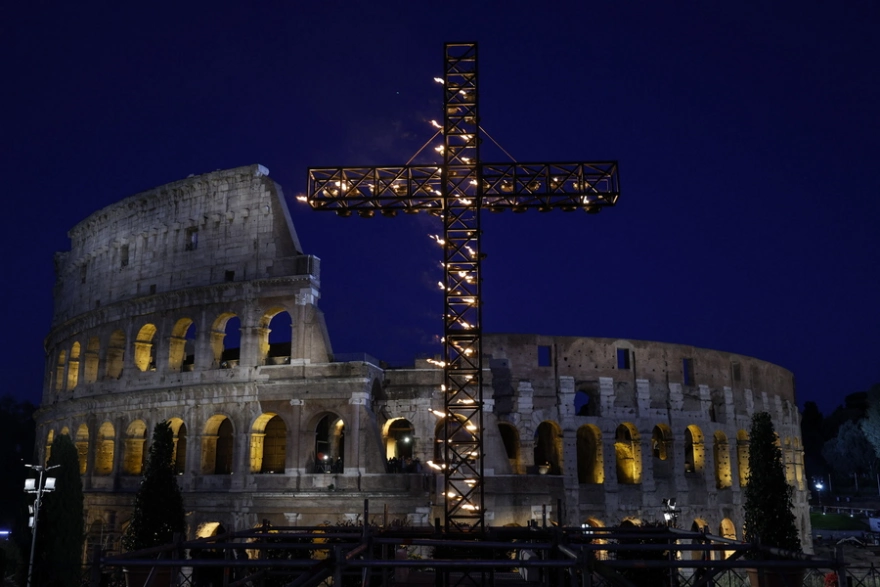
195, 303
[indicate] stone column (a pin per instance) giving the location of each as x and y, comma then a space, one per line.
298, 453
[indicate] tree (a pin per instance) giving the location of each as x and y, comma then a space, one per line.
871, 423
849, 452
158, 506
62, 530
768, 516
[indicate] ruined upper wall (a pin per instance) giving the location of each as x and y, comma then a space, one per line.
542, 358
228, 225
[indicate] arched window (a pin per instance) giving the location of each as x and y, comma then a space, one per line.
399, 441
223, 462
721, 452
106, 449
742, 457
181, 347
510, 438
586, 402
226, 340
694, 449
82, 447
275, 335
133, 458
178, 429
589, 455
73, 367
788, 459
661, 442
50, 438
92, 354
587, 529
330, 444
115, 354
217, 446
628, 449
144, 349
548, 447
59, 371
268, 444
727, 530
698, 525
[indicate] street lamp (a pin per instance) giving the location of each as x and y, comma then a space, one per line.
670, 514
37, 486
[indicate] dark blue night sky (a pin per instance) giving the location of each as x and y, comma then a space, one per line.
748, 137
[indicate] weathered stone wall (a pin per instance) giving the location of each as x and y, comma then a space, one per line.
618, 425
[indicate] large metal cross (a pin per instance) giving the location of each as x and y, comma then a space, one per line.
456, 191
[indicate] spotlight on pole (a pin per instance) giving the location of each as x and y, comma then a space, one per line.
39, 486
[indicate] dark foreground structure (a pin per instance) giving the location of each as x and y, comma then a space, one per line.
386, 556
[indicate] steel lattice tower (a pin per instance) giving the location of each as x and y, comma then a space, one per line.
457, 191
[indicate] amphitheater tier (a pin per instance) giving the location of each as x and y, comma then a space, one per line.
220, 333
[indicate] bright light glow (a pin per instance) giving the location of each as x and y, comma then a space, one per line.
436, 124
302, 198
439, 80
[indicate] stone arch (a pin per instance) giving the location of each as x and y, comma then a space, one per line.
73, 366
226, 340
181, 345
628, 450
510, 439
145, 349
398, 435
742, 457
133, 457
178, 429
82, 447
329, 444
661, 442
275, 336
721, 452
548, 446
93, 350
115, 354
60, 367
210, 530
50, 438
590, 461
268, 451
106, 452
727, 530
787, 458
694, 449
460, 431
698, 525
587, 526
217, 446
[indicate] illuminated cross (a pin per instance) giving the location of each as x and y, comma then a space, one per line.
456, 191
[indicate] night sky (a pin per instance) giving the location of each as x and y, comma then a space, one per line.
747, 133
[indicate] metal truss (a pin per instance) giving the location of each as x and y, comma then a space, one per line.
456, 191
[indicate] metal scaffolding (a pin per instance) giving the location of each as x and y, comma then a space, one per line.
456, 191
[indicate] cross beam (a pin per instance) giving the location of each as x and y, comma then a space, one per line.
456, 191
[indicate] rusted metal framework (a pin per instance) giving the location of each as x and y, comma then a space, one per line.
456, 191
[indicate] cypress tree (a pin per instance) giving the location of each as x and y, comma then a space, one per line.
769, 519
62, 530
158, 505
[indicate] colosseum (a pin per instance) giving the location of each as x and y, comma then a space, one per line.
194, 303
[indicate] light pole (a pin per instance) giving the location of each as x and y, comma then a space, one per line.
670, 514
37, 486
